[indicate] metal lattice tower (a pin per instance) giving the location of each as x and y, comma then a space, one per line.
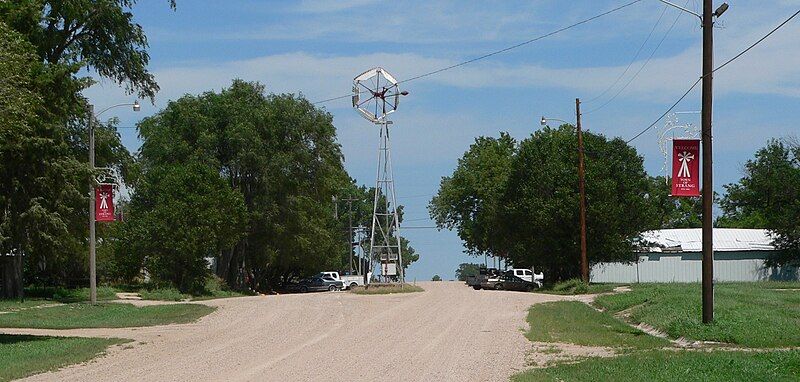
375, 96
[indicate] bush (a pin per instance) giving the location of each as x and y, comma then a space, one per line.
436, 278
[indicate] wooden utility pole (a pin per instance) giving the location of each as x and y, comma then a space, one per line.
350, 201
92, 256
708, 187
582, 191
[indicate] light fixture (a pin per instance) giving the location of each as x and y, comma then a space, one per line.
722, 8
544, 121
136, 106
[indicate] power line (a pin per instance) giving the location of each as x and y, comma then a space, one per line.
666, 112
713, 71
584, 21
640, 68
506, 49
635, 56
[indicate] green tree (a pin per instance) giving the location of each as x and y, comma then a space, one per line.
673, 212
44, 149
469, 201
180, 215
97, 34
465, 270
280, 154
540, 223
436, 278
768, 196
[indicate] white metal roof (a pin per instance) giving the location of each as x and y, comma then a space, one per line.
725, 240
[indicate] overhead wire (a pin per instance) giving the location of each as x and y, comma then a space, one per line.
712, 72
635, 75
633, 59
506, 49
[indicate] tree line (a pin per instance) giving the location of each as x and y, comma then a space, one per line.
519, 201
241, 177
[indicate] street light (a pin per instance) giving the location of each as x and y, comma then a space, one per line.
544, 120
92, 257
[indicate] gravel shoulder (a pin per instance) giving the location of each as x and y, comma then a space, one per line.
449, 332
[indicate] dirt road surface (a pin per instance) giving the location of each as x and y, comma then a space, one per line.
447, 333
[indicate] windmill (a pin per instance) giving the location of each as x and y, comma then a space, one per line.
375, 96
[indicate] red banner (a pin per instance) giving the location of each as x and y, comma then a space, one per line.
104, 203
686, 167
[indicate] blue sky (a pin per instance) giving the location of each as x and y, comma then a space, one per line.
317, 47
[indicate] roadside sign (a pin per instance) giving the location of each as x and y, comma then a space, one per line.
104, 203
686, 167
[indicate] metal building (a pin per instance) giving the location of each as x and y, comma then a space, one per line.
674, 255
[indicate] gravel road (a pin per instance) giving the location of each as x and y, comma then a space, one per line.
447, 333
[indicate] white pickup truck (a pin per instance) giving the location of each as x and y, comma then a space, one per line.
347, 281
528, 275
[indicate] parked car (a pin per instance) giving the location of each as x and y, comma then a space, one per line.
316, 284
507, 281
348, 281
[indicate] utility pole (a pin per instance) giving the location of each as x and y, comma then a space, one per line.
582, 191
708, 188
350, 201
92, 257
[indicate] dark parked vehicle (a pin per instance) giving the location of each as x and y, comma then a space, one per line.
316, 284
484, 274
507, 281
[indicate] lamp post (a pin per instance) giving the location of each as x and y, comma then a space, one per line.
707, 22
581, 189
92, 255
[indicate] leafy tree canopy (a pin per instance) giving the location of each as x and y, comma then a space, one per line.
469, 200
521, 202
768, 196
465, 270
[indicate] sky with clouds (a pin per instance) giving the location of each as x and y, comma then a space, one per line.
316, 47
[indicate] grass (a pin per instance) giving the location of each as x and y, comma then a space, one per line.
73, 316
746, 314
764, 315
67, 295
14, 305
577, 323
21, 356
38, 296
386, 289
670, 366
214, 288
576, 286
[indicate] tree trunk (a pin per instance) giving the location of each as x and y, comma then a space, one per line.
11, 274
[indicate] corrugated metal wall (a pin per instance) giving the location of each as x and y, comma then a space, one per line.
686, 267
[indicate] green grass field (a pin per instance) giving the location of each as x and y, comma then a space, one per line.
577, 323
745, 314
22, 356
113, 315
757, 315
672, 366
386, 289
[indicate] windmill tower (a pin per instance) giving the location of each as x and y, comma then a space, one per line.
375, 96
